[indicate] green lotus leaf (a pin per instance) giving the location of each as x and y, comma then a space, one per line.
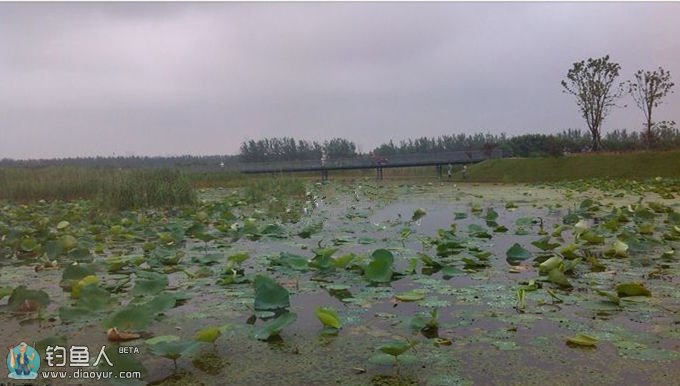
570, 251
173, 349
77, 313
550, 264
427, 260
53, 249
310, 229
5, 291
646, 228
93, 297
161, 338
580, 227
611, 296
383, 254
582, 340
293, 261
273, 328
130, 318
328, 317
592, 237
149, 283
491, 214
270, 295
23, 299
238, 258
396, 347
345, 260
544, 244
116, 263
632, 289
411, 296
68, 242
478, 231
208, 334
619, 248
379, 270
556, 276
160, 303
418, 214
557, 232
517, 253
29, 244
84, 282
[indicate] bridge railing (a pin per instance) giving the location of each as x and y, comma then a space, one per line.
369, 161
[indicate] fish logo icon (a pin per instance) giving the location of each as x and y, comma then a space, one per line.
23, 362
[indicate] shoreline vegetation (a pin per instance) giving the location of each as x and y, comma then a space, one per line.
571, 141
109, 187
118, 188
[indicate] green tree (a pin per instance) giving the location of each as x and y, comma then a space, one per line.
338, 148
648, 89
592, 83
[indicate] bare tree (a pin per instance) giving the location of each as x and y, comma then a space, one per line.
592, 83
648, 90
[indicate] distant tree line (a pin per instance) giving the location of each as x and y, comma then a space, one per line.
667, 137
290, 149
184, 161
533, 145
443, 143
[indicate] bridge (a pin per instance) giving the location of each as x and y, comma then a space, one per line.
379, 163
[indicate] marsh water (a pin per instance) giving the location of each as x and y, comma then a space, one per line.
482, 335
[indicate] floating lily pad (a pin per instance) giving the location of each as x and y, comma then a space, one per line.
517, 253
293, 261
270, 295
173, 349
5, 291
582, 340
389, 360
82, 283
395, 347
273, 328
545, 244
552, 263
379, 270
632, 289
130, 318
411, 296
149, 283
418, 214
556, 276
23, 299
328, 317
208, 334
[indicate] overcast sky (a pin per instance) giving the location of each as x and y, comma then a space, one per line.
199, 78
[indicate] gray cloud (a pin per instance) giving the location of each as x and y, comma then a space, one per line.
149, 78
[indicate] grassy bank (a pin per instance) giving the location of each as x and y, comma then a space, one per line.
138, 188
110, 187
636, 165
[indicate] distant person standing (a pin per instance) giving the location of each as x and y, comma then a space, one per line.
323, 158
449, 170
464, 172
